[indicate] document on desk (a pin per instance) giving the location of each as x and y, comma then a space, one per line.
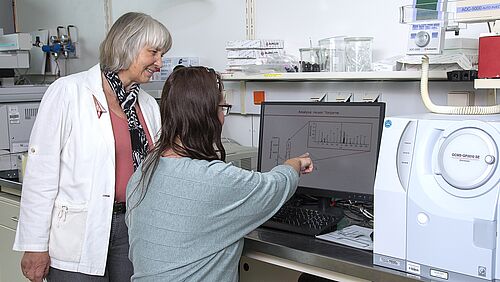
354, 236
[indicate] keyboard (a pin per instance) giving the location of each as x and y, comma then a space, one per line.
302, 220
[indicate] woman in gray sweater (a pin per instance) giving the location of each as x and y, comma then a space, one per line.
188, 211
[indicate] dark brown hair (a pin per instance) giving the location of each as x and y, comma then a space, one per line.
190, 124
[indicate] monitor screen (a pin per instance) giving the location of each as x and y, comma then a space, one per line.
342, 139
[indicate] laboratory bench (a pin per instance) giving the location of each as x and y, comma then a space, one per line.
278, 251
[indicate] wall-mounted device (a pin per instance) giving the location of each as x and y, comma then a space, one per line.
64, 43
426, 38
427, 27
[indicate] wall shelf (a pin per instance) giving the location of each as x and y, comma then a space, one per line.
484, 83
335, 76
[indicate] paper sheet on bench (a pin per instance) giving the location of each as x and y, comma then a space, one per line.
355, 236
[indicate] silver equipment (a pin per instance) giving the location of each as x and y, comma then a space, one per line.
240, 156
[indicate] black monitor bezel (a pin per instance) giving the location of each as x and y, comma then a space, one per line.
321, 192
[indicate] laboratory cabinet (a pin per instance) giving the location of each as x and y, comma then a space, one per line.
10, 269
257, 270
256, 266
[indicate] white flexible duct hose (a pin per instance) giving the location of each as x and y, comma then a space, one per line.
467, 110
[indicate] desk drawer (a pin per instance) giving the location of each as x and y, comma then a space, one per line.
9, 213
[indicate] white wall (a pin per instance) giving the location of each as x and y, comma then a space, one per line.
201, 28
297, 21
402, 98
87, 16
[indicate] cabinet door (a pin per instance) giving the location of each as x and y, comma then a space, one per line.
10, 267
255, 270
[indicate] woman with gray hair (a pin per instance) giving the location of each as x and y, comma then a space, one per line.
92, 131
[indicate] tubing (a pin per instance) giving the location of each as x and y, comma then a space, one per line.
450, 110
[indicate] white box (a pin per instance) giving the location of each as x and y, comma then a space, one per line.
169, 63
255, 44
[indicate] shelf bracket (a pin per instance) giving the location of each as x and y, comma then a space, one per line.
250, 19
491, 97
243, 94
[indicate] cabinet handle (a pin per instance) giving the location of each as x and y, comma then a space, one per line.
14, 218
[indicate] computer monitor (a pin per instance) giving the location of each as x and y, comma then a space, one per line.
343, 140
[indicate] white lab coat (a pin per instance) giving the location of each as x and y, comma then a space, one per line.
69, 185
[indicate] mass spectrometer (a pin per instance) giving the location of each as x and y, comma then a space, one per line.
436, 197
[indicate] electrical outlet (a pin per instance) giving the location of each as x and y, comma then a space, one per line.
461, 98
344, 97
491, 97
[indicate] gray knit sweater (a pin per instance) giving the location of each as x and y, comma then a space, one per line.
191, 224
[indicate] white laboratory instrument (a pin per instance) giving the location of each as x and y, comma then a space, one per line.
240, 156
18, 110
426, 38
14, 50
437, 196
466, 11
428, 21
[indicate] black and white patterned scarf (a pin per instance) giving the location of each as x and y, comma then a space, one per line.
127, 101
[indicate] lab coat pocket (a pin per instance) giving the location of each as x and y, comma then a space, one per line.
67, 232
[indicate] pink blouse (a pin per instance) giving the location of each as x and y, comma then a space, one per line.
124, 166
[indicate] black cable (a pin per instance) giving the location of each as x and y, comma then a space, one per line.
362, 210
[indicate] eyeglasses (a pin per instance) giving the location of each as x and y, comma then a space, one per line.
226, 108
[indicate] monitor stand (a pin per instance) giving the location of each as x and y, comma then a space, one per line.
321, 204
324, 204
